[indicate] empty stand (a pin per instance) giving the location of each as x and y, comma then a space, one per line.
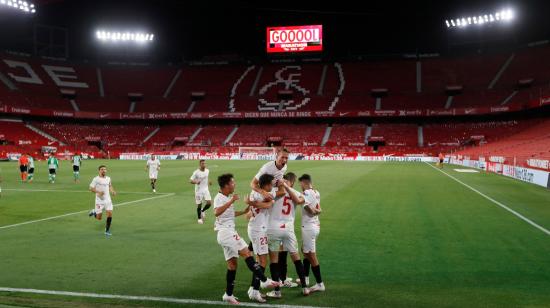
530, 140
285, 134
104, 136
19, 136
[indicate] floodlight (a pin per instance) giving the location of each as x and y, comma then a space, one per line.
116, 36
22, 6
502, 15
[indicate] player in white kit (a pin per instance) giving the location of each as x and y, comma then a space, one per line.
281, 231
311, 227
153, 166
200, 179
257, 225
103, 188
276, 168
233, 245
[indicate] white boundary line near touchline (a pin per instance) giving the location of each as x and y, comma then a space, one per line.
80, 212
145, 298
80, 191
527, 220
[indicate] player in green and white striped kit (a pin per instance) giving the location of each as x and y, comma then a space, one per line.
30, 175
77, 162
53, 164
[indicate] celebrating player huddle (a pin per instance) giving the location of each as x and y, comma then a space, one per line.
271, 207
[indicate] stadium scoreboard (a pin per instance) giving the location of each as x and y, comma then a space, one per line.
292, 39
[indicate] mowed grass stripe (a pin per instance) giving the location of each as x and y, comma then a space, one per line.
185, 301
392, 235
80, 212
23, 190
505, 207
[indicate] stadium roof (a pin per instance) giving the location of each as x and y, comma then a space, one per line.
191, 31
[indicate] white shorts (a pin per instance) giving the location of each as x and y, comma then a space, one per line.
231, 243
285, 237
201, 196
99, 206
309, 238
153, 175
259, 242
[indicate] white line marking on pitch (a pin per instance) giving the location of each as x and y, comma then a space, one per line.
80, 212
466, 170
145, 298
80, 191
527, 220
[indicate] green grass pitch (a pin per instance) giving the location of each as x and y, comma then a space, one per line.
392, 235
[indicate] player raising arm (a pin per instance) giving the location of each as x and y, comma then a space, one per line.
275, 168
233, 245
257, 228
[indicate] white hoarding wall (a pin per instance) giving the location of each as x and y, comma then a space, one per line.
292, 156
533, 176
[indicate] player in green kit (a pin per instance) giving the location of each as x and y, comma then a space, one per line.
30, 175
77, 162
53, 164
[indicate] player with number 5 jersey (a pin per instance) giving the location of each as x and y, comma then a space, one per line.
281, 231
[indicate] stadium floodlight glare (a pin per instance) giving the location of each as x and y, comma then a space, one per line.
115, 36
505, 15
20, 5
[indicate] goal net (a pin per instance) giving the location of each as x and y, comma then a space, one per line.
257, 153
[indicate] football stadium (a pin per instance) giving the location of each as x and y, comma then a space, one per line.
274, 154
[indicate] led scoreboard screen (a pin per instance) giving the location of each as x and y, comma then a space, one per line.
295, 39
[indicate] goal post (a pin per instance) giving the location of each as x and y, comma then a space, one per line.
257, 153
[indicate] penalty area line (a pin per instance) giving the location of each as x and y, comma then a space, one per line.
80, 212
145, 298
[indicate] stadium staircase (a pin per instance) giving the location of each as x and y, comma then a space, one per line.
172, 83
7, 82
195, 134
100, 86
326, 136
74, 104
43, 133
322, 81
191, 106
420, 136
153, 133
501, 71
230, 136
368, 133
